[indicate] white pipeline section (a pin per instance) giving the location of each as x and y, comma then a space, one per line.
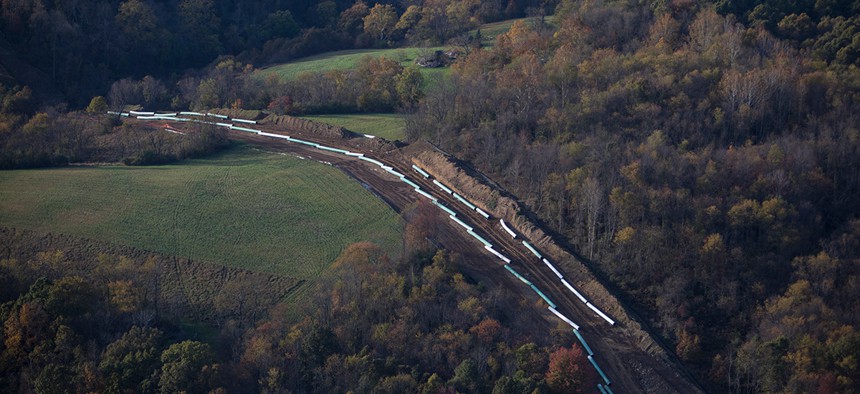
555, 271
599, 312
563, 317
581, 298
532, 249
508, 229
286, 137
499, 255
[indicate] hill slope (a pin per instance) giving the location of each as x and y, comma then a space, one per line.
264, 212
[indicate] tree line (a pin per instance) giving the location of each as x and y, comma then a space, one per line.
54, 138
84, 46
696, 161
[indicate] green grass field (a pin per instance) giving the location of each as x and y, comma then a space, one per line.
389, 126
244, 208
348, 59
489, 31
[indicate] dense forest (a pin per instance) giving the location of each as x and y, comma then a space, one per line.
708, 167
704, 157
83, 46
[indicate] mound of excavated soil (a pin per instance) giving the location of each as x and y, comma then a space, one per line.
249, 114
308, 126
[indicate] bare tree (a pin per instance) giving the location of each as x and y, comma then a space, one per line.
124, 92
592, 203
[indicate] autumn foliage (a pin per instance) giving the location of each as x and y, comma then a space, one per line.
372, 324
698, 161
570, 372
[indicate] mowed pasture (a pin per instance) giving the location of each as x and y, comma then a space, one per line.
348, 60
389, 126
243, 208
489, 31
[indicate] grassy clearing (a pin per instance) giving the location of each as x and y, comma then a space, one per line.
389, 126
243, 208
489, 31
346, 60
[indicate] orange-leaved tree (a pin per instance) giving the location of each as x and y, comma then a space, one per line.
569, 371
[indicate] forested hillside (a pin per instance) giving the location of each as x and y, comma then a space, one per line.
70, 55
79, 319
708, 167
83, 46
702, 157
